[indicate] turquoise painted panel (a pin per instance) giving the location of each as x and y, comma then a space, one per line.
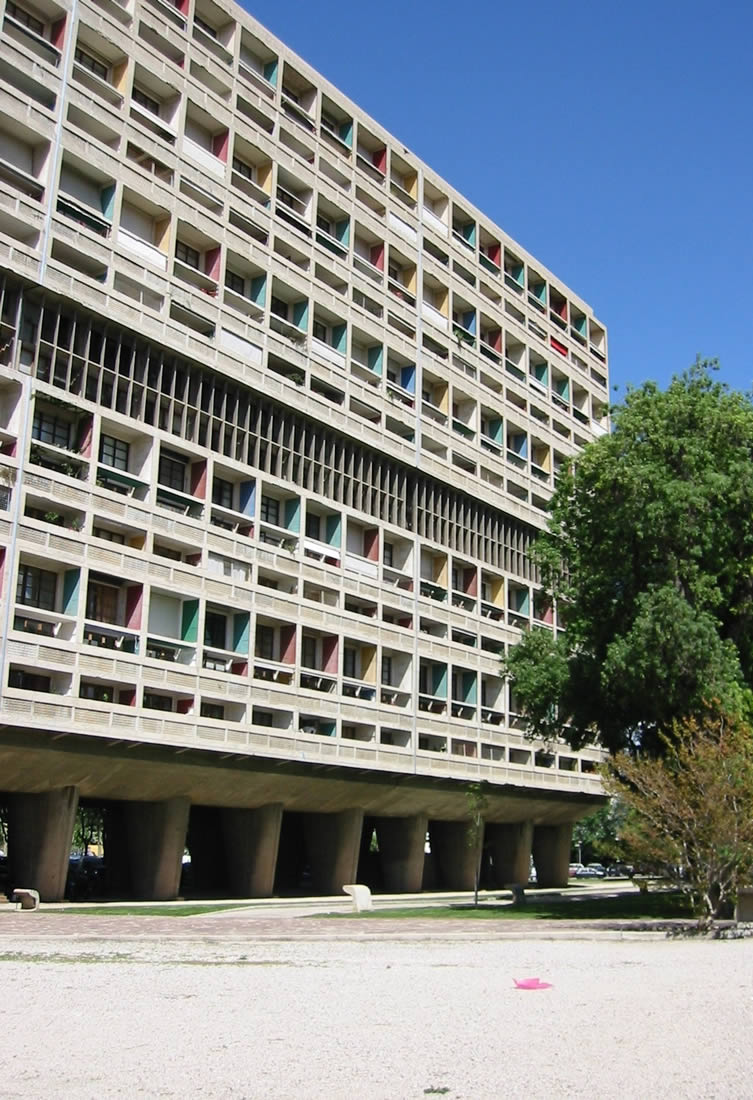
270, 71
333, 527
342, 231
439, 681
301, 314
495, 430
327, 729
107, 198
346, 132
469, 232
339, 337
247, 497
293, 514
189, 628
469, 320
259, 290
469, 687
71, 588
375, 357
541, 372
241, 631
408, 378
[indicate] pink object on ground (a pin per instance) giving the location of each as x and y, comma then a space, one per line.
531, 983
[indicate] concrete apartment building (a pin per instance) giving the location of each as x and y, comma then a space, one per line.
280, 413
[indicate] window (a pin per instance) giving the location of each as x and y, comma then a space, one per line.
24, 17
157, 702
279, 307
172, 470
113, 452
222, 492
329, 123
235, 282
110, 536
101, 693
48, 428
308, 651
388, 554
203, 26
28, 681
313, 525
263, 718
269, 510
349, 662
93, 64
186, 255
36, 587
265, 642
146, 101
215, 630
243, 169
102, 602
324, 224
386, 670
212, 710
320, 332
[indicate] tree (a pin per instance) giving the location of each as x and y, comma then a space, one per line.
598, 836
688, 811
649, 553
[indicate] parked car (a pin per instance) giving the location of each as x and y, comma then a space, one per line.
620, 870
86, 877
574, 868
589, 872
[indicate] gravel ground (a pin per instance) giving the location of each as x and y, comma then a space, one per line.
287, 1008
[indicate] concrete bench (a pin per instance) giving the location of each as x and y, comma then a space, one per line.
25, 898
361, 896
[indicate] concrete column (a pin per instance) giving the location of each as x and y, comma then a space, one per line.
40, 828
455, 860
252, 840
156, 839
510, 850
205, 843
333, 843
401, 851
551, 853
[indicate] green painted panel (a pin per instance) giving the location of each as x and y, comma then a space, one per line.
293, 514
71, 588
241, 629
189, 628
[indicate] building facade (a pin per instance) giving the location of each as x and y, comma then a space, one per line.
280, 414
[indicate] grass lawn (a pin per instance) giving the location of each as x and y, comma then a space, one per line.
651, 906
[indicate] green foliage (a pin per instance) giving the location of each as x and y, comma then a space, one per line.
599, 835
649, 551
688, 812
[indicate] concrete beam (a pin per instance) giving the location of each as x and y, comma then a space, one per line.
551, 853
40, 831
156, 840
509, 847
333, 844
251, 841
401, 852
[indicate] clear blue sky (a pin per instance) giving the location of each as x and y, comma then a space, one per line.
613, 141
